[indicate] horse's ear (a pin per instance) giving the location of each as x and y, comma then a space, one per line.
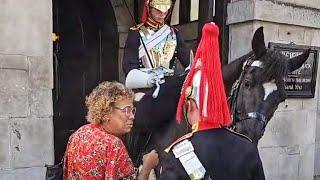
296, 62
258, 45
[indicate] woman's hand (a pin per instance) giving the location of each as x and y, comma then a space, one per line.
150, 160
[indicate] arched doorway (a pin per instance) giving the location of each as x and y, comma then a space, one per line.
85, 54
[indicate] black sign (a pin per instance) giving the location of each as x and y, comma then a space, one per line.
301, 82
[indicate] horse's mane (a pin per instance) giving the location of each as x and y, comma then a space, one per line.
275, 66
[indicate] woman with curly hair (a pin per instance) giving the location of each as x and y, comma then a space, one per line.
95, 150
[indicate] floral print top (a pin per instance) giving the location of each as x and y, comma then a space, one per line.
94, 154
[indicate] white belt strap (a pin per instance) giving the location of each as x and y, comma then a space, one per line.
189, 160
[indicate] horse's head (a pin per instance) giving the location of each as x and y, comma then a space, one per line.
261, 87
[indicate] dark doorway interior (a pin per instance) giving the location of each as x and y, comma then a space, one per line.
85, 54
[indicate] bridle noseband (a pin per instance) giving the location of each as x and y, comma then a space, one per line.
258, 116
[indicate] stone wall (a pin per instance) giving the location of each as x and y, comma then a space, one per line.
26, 82
289, 148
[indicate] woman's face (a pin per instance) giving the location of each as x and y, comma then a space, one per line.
157, 15
120, 121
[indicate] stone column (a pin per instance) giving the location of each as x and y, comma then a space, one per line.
26, 82
289, 148
125, 20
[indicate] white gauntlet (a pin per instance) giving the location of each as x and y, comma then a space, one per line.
139, 79
147, 78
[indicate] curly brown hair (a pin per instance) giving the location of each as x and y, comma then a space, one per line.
101, 99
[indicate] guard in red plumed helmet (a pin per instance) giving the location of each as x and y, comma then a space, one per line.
156, 10
153, 48
204, 84
210, 151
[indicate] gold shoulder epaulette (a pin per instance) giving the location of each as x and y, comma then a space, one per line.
137, 27
186, 136
239, 134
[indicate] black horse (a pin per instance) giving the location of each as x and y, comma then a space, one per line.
255, 97
261, 87
260, 90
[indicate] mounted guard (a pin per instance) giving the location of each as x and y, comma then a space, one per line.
153, 48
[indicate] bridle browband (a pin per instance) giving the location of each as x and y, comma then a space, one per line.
232, 99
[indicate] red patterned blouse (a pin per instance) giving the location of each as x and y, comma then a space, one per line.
94, 154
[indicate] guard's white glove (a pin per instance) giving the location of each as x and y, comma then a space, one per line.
139, 79
147, 78
152, 80
159, 72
